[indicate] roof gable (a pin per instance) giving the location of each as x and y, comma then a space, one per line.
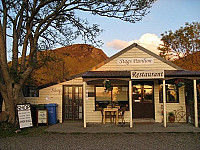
110, 65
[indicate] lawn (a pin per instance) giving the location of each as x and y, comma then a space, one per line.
7, 130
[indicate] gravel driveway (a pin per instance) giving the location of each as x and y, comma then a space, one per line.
50, 141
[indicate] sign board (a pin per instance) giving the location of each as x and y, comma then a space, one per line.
42, 116
134, 61
24, 115
147, 74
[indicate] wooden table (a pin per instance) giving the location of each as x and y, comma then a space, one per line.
114, 110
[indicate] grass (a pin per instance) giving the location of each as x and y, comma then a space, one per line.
8, 130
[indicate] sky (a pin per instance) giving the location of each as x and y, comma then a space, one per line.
164, 15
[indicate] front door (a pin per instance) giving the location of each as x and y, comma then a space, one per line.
143, 106
73, 103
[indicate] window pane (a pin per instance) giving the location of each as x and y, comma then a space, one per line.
101, 95
148, 95
70, 92
70, 89
120, 93
119, 97
66, 91
76, 90
80, 92
76, 96
171, 93
137, 92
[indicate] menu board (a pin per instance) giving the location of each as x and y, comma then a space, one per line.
24, 115
42, 116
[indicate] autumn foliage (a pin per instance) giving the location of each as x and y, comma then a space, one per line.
190, 62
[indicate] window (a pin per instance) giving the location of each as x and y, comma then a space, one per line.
30, 91
119, 96
172, 95
143, 92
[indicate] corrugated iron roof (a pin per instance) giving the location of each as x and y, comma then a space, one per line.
127, 74
107, 74
182, 73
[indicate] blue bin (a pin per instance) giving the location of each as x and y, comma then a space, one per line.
52, 116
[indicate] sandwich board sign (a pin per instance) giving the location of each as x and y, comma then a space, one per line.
24, 115
42, 116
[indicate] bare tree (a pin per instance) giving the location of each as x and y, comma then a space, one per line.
29, 26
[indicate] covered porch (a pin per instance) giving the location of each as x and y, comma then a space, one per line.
96, 78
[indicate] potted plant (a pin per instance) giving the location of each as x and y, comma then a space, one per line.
171, 117
179, 83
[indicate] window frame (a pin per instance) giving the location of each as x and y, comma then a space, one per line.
111, 94
143, 83
161, 92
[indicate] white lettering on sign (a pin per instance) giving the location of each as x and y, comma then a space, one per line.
134, 61
147, 74
24, 115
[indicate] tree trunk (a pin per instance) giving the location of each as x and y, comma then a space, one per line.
9, 111
12, 97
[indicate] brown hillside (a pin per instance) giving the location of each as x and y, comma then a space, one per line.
70, 60
190, 62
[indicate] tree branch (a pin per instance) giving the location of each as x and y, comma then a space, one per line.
42, 4
54, 15
3, 57
5, 14
25, 75
24, 51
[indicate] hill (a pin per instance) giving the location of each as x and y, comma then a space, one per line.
190, 62
68, 61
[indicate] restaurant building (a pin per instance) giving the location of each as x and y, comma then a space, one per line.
144, 84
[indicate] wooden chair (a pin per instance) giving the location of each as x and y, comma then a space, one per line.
107, 115
109, 106
112, 115
117, 107
121, 114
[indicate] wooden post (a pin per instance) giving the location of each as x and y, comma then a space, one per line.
164, 106
130, 103
195, 104
84, 104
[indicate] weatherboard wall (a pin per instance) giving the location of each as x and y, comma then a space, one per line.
53, 94
135, 53
170, 107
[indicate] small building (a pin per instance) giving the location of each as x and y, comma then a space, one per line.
145, 84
